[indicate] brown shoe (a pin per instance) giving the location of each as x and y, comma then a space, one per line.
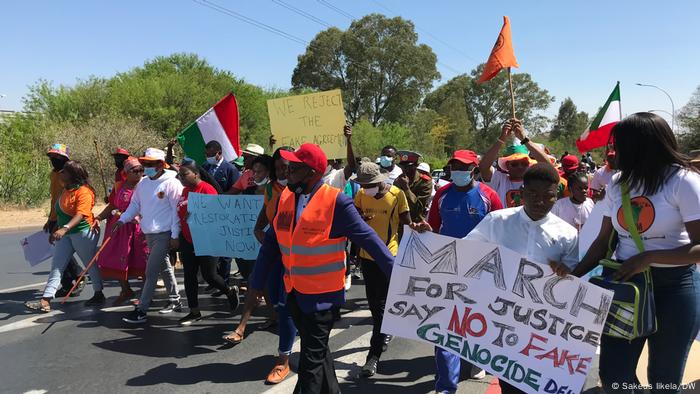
278, 373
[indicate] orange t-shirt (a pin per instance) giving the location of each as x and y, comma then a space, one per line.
80, 200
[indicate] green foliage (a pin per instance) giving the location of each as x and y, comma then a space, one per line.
689, 119
487, 105
569, 124
166, 94
381, 69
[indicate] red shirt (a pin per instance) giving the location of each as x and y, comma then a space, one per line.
203, 188
119, 176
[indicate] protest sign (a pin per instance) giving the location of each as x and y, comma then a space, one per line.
497, 310
222, 225
317, 118
37, 248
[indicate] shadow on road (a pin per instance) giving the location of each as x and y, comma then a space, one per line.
252, 370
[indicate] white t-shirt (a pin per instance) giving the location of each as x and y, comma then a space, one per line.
602, 177
507, 190
392, 175
335, 178
574, 214
661, 217
547, 239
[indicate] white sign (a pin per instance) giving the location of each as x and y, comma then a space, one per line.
494, 308
37, 248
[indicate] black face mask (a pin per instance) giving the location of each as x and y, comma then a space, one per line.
298, 187
119, 162
58, 163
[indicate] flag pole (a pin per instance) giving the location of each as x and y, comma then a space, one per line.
512, 96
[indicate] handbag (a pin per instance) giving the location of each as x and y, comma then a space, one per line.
632, 313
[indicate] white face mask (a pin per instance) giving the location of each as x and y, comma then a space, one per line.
282, 182
263, 182
372, 191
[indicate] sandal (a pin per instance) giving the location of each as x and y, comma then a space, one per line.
234, 338
38, 306
123, 297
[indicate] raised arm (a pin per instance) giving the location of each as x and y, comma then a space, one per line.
351, 165
485, 166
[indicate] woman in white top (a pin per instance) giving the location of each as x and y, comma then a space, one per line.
576, 208
665, 193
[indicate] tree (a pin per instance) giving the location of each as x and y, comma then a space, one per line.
569, 123
377, 63
487, 105
689, 119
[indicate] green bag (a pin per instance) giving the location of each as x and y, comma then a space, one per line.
632, 313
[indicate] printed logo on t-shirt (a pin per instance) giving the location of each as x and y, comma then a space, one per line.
643, 212
514, 198
161, 194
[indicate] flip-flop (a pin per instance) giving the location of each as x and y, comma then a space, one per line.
37, 306
228, 338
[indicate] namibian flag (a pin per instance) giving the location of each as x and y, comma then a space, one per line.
219, 123
598, 133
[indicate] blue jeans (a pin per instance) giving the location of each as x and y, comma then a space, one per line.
85, 245
287, 331
678, 317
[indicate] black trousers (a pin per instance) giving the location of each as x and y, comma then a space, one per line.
316, 369
192, 264
507, 388
224, 268
376, 288
71, 273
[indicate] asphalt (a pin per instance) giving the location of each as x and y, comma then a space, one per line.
79, 350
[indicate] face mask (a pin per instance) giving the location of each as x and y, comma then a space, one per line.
461, 178
282, 182
212, 160
57, 163
150, 171
386, 161
263, 182
372, 191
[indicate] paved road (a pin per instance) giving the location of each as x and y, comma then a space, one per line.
79, 350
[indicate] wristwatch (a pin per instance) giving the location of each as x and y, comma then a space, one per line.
65, 226
524, 141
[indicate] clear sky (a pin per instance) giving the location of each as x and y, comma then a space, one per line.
571, 48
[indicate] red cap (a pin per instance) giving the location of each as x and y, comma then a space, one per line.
121, 151
569, 163
465, 156
310, 154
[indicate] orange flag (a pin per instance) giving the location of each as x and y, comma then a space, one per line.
502, 54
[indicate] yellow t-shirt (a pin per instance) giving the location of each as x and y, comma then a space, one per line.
386, 211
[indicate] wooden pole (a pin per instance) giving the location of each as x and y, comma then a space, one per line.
102, 169
512, 96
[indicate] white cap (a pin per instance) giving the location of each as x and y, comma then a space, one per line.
424, 167
254, 150
153, 154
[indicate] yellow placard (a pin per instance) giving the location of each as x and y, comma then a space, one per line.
317, 118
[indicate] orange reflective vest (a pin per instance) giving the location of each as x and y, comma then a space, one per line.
313, 262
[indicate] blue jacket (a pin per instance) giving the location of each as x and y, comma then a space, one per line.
226, 174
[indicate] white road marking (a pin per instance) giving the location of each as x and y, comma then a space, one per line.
58, 314
18, 288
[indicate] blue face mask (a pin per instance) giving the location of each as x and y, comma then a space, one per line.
386, 161
461, 178
150, 171
212, 160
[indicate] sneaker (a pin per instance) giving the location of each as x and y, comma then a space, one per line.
233, 298
190, 318
171, 306
135, 317
348, 282
209, 288
96, 300
370, 367
477, 373
60, 293
160, 283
